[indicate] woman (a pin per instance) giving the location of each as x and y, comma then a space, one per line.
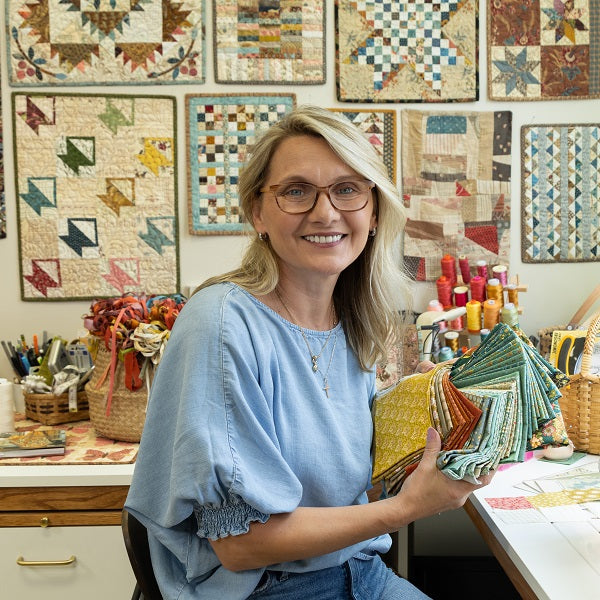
254, 462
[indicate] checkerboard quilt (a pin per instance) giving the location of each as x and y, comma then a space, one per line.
413, 51
96, 195
268, 42
87, 42
560, 202
220, 132
456, 174
543, 49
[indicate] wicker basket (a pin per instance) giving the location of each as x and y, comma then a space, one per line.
49, 409
125, 421
580, 403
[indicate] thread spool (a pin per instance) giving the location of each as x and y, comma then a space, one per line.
445, 354
436, 306
495, 291
483, 334
500, 272
457, 324
465, 270
477, 288
461, 295
451, 340
491, 313
513, 294
474, 316
482, 269
449, 267
444, 291
509, 314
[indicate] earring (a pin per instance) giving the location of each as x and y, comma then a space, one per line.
373, 232
263, 237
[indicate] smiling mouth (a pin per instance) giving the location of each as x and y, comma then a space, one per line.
323, 239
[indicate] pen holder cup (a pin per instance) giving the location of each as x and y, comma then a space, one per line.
124, 418
49, 409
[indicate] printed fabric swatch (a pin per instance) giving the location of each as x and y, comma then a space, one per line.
84, 446
220, 132
486, 406
269, 42
100, 42
543, 49
96, 195
456, 188
560, 203
379, 127
413, 51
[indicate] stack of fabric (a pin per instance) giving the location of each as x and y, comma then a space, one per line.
490, 406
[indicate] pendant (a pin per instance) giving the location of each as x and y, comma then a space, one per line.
326, 387
315, 366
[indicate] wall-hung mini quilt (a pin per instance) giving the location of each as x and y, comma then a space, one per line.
379, 127
221, 130
269, 42
560, 197
543, 49
102, 42
96, 195
456, 188
412, 51
2, 196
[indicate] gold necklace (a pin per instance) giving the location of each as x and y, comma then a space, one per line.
314, 357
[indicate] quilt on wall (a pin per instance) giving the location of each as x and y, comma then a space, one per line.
543, 49
268, 41
411, 51
2, 196
73, 42
220, 132
456, 188
96, 195
560, 203
379, 127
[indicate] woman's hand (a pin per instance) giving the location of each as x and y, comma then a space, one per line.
427, 491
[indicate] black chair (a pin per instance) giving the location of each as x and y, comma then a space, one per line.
136, 543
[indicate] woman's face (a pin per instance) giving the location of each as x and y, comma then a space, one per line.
323, 242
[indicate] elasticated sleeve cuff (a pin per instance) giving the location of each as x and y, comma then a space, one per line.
233, 517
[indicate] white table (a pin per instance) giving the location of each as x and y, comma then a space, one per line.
541, 560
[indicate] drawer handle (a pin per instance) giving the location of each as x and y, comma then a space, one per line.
45, 563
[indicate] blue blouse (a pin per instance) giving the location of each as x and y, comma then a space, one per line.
239, 428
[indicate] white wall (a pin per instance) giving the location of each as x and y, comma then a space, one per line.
555, 291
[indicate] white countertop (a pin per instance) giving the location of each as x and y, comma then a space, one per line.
65, 475
545, 553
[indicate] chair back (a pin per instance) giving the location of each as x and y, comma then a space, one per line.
136, 543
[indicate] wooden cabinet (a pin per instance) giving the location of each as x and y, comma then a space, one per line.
64, 541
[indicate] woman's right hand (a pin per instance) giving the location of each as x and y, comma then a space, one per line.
427, 491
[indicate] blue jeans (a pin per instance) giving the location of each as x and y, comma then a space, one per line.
361, 578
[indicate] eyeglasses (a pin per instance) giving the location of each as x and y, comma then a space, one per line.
299, 197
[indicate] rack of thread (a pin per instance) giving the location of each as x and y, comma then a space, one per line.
487, 294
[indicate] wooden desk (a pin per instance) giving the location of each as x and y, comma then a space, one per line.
538, 558
67, 519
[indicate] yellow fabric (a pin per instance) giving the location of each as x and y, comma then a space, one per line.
401, 417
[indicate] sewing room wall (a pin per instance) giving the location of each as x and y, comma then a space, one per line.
553, 291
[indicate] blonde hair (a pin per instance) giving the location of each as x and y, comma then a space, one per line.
370, 292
